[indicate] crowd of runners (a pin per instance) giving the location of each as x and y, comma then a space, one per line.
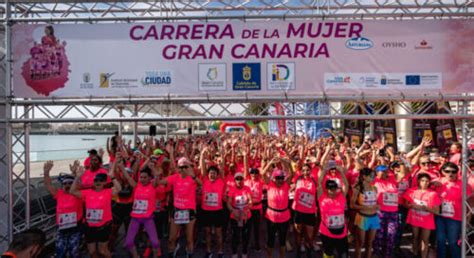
289, 187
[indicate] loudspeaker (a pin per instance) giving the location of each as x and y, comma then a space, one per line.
152, 130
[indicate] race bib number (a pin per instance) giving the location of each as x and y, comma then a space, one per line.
447, 209
158, 205
240, 202
335, 221
421, 203
370, 198
181, 217
212, 199
67, 220
306, 200
402, 187
140, 206
94, 215
390, 199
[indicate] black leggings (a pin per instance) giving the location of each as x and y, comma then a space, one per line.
240, 234
161, 222
331, 244
272, 229
255, 224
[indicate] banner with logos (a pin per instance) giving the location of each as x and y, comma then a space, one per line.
445, 129
422, 127
306, 57
353, 129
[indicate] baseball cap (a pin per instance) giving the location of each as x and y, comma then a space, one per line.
184, 162
381, 168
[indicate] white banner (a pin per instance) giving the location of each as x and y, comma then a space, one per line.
232, 58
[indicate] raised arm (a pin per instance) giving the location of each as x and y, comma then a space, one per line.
120, 166
48, 165
77, 183
116, 185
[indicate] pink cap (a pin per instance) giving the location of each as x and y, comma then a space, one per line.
277, 172
184, 162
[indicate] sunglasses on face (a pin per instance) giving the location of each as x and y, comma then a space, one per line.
425, 163
183, 167
239, 178
67, 183
99, 181
280, 178
449, 171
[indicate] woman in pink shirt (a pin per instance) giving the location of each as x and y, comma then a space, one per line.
212, 198
239, 201
423, 203
98, 203
183, 185
278, 212
144, 204
333, 227
304, 205
69, 213
448, 224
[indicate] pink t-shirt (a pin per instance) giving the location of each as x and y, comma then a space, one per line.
332, 215
184, 191
68, 209
144, 201
455, 158
239, 199
256, 186
87, 179
387, 194
161, 203
212, 193
305, 195
428, 198
450, 193
98, 206
278, 197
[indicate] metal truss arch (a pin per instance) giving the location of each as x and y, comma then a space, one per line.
19, 114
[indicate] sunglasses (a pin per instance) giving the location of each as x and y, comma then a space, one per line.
183, 167
425, 163
253, 172
239, 178
280, 178
99, 181
67, 183
332, 188
449, 171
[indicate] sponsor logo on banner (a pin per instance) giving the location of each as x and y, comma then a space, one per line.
359, 43
246, 76
157, 78
212, 77
104, 79
281, 76
108, 80
86, 81
412, 80
386, 80
423, 45
394, 44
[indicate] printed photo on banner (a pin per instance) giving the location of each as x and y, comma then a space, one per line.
281, 76
246, 76
212, 77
